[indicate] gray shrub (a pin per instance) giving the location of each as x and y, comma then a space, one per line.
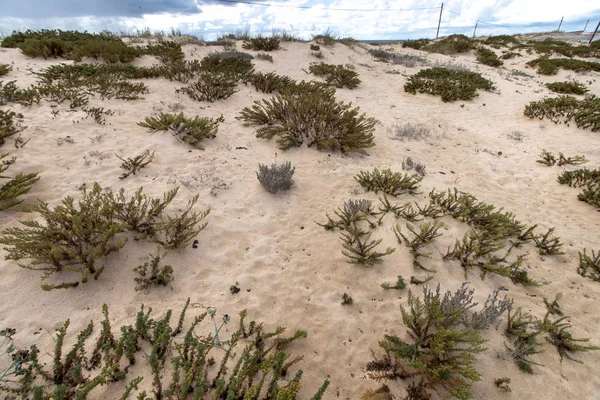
276, 177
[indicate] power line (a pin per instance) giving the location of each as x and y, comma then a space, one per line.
325, 9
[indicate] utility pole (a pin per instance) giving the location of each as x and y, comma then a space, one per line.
559, 25
586, 24
475, 30
594, 34
440, 21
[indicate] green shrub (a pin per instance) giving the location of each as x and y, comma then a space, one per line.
507, 55
191, 131
74, 373
210, 87
167, 52
8, 127
589, 179
311, 116
157, 276
502, 41
325, 39
444, 342
487, 57
315, 47
392, 183
452, 44
449, 84
77, 234
566, 108
9, 92
234, 66
550, 46
567, 87
589, 266
135, 164
260, 43
111, 51
17, 186
416, 44
264, 56
5, 69
276, 177
336, 75
550, 66
270, 82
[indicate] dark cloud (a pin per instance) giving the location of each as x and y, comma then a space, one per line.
97, 8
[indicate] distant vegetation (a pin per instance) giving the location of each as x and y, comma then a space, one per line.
450, 85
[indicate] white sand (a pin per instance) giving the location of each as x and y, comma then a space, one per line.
291, 271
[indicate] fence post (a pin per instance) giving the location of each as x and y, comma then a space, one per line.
594, 34
440, 21
586, 24
559, 25
475, 30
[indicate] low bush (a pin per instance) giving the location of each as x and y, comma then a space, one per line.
231, 64
311, 114
407, 60
167, 52
502, 41
567, 108
487, 57
452, 44
589, 265
450, 85
151, 274
392, 183
5, 69
416, 44
135, 164
75, 235
16, 186
409, 131
336, 75
315, 47
550, 66
508, 55
550, 46
161, 345
444, 341
588, 179
190, 130
265, 57
567, 87
8, 126
210, 87
276, 177
262, 44
270, 82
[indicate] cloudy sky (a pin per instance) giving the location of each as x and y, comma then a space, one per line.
370, 19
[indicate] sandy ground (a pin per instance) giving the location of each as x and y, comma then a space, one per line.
291, 271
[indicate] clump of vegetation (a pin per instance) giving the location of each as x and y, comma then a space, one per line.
523, 329
336, 75
550, 66
392, 183
549, 159
276, 177
156, 276
449, 84
400, 284
445, 339
547, 244
5, 69
191, 358
265, 56
502, 41
408, 164
233, 64
270, 82
167, 52
135, 164
8, 127
487, 57
416, 44
311, 114
567, 87
16, 186
425, 235
589, 179
75, 235
508, 55
565, 109
347, 299
315, 47
452, 44
356, 241
262, 43
210, 87
410, 131
395, 58
325, 39
190, 130
551, 46
589, 265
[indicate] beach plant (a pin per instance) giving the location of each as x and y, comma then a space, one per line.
262, 44
550, 66
14, 187
566, 108
135, 164
5, 69
210, 87
166, 52
335, 75
232, 64
347, 299
521, 329
400, 284
551, 46
190, 130
452, 44
579, 177
426, 234
260, 372
353, 211
360, 249
502, 41
409, 131
276, 177
451, 85
416, 44
97, 113
8, 125
151, 274
509, 55
177, 232
487, 57
10, 93
444, 339
408, 164
589, 265
387, 181
265, 57
311, 114
567, 87
270, 82
546, 158
547, 244
315, 47
408, 60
